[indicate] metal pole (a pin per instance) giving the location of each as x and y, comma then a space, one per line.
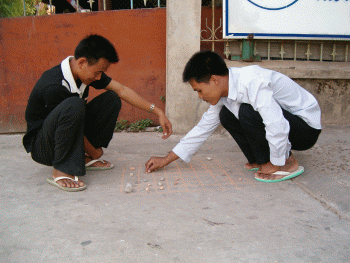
37, 7
50, 7
132, 4
213, 24
24, 7
77, 6
104, 5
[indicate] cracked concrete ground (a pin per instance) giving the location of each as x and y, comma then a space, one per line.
210, 210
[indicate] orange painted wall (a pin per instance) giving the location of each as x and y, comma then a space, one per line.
31, 45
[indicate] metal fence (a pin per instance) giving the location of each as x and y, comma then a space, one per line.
44, 7
310, 50
133, 4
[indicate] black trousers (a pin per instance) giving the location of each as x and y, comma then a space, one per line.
60, 142
250, 134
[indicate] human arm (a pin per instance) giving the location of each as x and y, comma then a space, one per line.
155, 163
194, 139
191, 142
136, 100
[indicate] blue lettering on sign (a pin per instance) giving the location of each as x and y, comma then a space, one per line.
277, 5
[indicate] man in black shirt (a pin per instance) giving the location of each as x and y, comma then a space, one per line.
66, 132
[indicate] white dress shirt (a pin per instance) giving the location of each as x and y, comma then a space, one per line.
267, 91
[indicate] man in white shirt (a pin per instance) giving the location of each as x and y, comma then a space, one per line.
267, 113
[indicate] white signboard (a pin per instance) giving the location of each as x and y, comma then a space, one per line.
301, 19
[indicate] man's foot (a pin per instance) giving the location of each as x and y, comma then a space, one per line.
66, 182
289, 170
96, 165
251, 166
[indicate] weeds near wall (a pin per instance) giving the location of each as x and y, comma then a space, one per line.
140, 125
121, 125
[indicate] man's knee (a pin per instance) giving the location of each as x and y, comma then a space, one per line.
245, 110
112, 98
247, 114
74, 102
225, 116
73, 106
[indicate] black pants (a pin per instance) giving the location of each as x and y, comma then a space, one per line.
60, 142
250, 134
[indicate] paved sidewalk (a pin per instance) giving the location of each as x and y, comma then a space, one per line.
209, 210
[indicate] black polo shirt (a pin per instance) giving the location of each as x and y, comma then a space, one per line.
49, 92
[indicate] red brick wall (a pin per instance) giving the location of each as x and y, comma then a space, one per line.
31, 45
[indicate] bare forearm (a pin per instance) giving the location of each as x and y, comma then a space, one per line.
170, 158
136, 100
131, 97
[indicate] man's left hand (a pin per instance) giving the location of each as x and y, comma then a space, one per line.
166, 126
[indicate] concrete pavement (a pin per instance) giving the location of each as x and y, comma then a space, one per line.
209, 210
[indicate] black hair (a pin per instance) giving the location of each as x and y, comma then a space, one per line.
94, 47
202, 65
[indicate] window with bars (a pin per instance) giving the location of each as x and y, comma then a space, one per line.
272, 49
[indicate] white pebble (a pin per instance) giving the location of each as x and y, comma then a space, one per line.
128, 188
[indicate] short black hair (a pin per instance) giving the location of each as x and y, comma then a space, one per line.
202, 65
94, 47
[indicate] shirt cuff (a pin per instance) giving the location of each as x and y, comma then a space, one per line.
183, 155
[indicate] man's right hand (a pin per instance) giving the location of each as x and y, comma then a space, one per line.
155, 163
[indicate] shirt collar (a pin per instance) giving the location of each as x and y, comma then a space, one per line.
68, 76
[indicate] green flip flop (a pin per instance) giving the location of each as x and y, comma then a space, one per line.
252, 169
286, 175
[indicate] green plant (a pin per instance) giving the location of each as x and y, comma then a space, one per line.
43, 10
14, 8
121, 125
140, 125
162, 98
158, 129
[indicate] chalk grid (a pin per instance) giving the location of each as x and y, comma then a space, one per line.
199, 175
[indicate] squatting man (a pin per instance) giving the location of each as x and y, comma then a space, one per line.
66, 132
266, 112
